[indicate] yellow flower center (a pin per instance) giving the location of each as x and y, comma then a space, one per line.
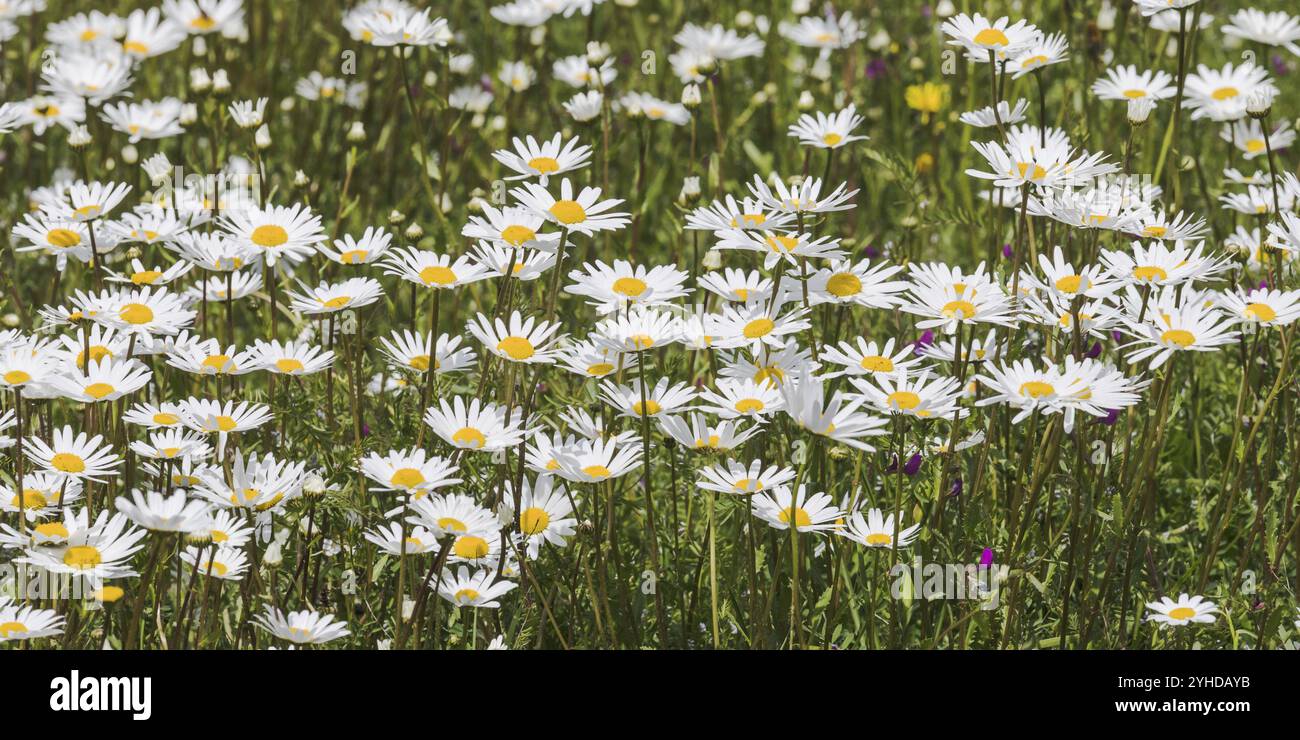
844, 284
136, 313
629, 286
600, 369
1150, 273
17, 377
419, 362
651, 408
67, 462
451, 524
877, 364
780, 244
338, 301
469, 437
544, 165
750, 405
1036, 389
226, 423
568, 212
31, 499
1134, 93
82, 557
903, 400
1180, 337
466, 596
991, 37
289, 365
269, 236
62, 238
470, 547
354, 256
146, 277
517, 348
596, 471
407, 478
759, 328
534, 521
1069, 283
435, 275
958, 310
1182, 612
99, 390
517, 235
1260, 312
832, 139
800, 517
12, 630
52, 530
135, 47
1255, 146
1225, 93
165, 419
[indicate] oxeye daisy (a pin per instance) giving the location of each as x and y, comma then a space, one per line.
520, 264
1060, 277
593, 461
878, 530
1044, 51
156, 275
455, 515
694, 432
49, 233
225, 563
950, 305
544, 513
44, 111
1273, 29
530, 159
986, 118
729, 214
154, 416
1221, 94
1170, 323
1262, 306
273, 233
352, 251
731, 284
922, 394
583, 212
214, 417
412, 471
483, 427
255, 484
390, 538
585, 106
769, 366
1024, 387
480, 589
637, 331
868, 358
411, 352
643, 104
146, 119
92, 551
92, 75
290, 358
43, 495
518, 76
304, 627
659, 399
24, 366
804, 197
74, 455
202, 17
777, 246
1155, 7
519, 340
742, 398
824, 32
404, 27
593, 426
839, 418
611, 288
1248, 137
159, 513
1162, 264
861, 284
988, 40
433, 271
512, 226
1159, 225
215, 251
755, 326
784, 507
594, 359
328, 298
147, 310
25, 622
210, 358
824, 131
577, 71
733, 477
172, 444
1186, 610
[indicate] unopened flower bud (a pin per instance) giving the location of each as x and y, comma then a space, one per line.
357, 132
1139, 110
691, 95
262, 139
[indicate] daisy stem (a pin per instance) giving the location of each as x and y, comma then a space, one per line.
661, 615
1171, 130
401, 578
713, 570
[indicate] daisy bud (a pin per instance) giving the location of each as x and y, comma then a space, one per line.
220, 82
691, 95
806, 101
744, 19
538, 36
10, 320
199, 80
800, 7
712, 259
133, 253
300, 179
821, 69
706, 65
313, 485
690, 190
1106, 17
130, 154
274, 554
157, 167
199, 537
286, 105
414, 232
109, 594
1139, 111
262, 139
357, 132
498, 123
879, 40
944, 9
597, 52
200, 46
80, 137
396, 217
1260, 104
189, 114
